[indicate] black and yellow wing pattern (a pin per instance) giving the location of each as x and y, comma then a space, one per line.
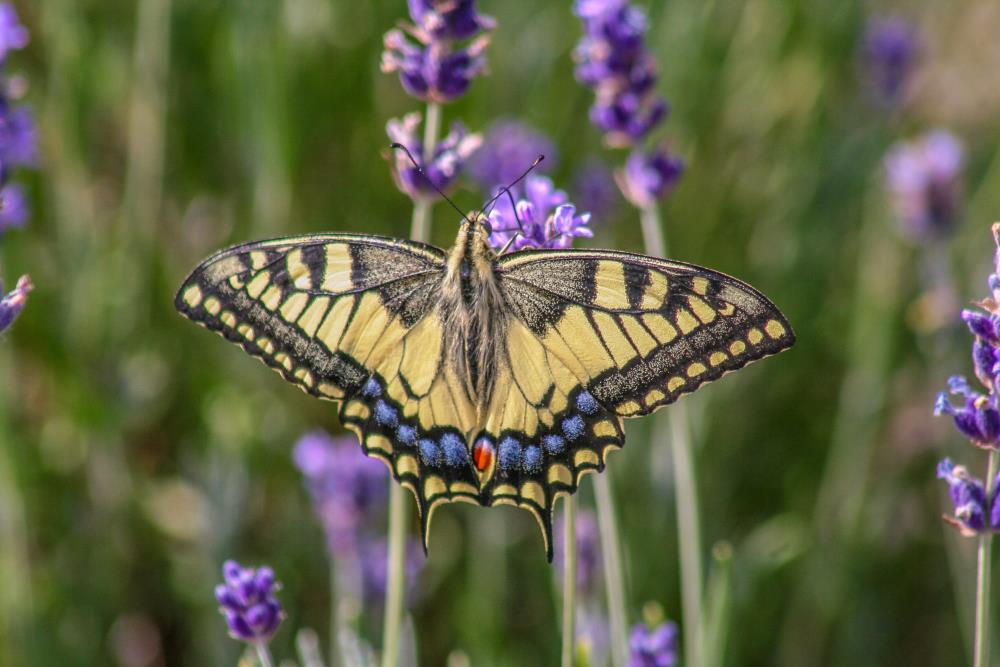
597, 336
590, 337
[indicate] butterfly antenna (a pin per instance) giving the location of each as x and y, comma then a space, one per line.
398, 146
492, 202
520, 226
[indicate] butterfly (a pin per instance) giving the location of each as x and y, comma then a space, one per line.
478, 376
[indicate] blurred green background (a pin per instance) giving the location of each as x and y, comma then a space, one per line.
139, 452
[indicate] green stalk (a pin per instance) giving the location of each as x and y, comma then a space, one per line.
981, 646
688, 526
613, 579
420, 230
264, 654
569, 584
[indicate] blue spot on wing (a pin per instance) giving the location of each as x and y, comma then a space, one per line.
372, 388
406, 434
509, 454
455, 453
573, 427
531, 460
385, 414
554, 444
587, 404
430, 453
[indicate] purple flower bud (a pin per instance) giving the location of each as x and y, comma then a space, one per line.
978, 419
509, 149
433, 73
247, 600
924, 179
542, 219
650, 176
448, 19
13, 35
443, 169
890, 50
13, 302
14, 210
348, 488
984, 326
653, 647
967, 495
18, 137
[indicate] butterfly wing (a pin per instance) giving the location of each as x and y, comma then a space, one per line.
599, 335
351, 318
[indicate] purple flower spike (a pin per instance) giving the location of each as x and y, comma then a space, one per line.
18, 137
508, 150
891, 47
924, 178
13, 302
431, 66
14, 209
653, 647
969, 497
444, 168
978, 419
448, 19
595, 191
247, 600
588, 550
13, 35
544, 218
650, 176
347, 487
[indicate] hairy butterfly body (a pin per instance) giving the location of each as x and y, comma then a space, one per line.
494, 379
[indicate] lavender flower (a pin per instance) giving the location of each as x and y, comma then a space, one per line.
547, 219
594, 189
431, 66
968, 494
890, 50
375, 567
443, 169
347, 487
978, 419
13, 35
14, 209
588, 549
924, 179
649, 176
13, 302
252, 611
612, 59
448, 19
508, 150
653, 647
18, 136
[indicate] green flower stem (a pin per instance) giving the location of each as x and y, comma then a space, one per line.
613, 576
569, 583
420, 230
981, 646
264, 654
688, 526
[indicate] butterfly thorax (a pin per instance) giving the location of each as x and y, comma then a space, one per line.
474, 313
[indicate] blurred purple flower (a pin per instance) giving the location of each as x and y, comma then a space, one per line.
891, 47
14, 209
594, 190
972, 507
653, 647
13, 302
13, 35
450, 156
649, 176
375, 567
448, 19
613, 60
252, 611
547, 219
18, 137
508, 150
348, 488
924, 178
431, 66
588, 549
